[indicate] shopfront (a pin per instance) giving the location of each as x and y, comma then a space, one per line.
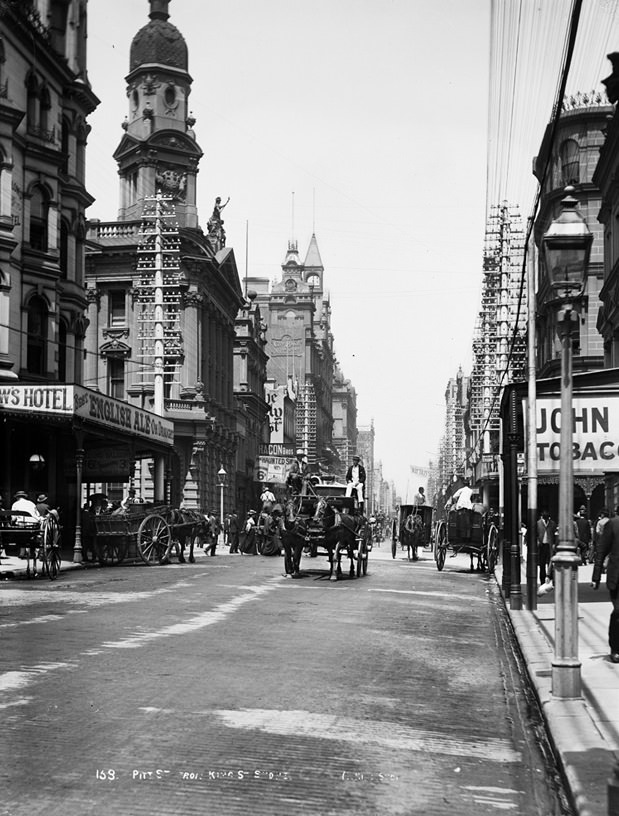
64, 440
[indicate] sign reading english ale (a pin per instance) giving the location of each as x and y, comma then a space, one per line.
77, 401
595, 429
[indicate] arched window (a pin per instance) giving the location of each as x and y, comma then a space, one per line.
37, 336
39, 210
570, 164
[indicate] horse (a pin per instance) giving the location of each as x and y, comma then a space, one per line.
413, 529
187, 526
293, 530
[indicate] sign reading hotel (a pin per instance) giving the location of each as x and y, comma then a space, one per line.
76, 401
595, 426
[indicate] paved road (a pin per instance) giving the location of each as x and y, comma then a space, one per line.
222, 688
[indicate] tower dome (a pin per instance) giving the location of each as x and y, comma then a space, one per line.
158, 41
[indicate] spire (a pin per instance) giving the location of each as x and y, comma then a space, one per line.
313, 259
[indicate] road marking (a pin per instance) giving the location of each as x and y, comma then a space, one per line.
440, 594
208, 618
347, 729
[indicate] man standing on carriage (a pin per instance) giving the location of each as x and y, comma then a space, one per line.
355, 480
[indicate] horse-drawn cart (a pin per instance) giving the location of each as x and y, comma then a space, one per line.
324, 521
148, 530
412, 528
37, 538
475, 534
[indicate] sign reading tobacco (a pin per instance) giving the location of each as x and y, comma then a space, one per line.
74, 400
595, 428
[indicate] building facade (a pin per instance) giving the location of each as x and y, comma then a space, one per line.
200, 295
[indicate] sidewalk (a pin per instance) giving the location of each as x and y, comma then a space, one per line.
584, 732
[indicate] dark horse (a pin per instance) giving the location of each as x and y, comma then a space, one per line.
187, 526
293, 531
346, 529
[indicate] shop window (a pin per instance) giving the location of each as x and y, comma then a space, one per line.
39, 211
116, 377
37, 336
117, 307
570, 165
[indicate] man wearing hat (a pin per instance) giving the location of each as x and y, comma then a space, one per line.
42, 505
297, 471
22, 503
355, 480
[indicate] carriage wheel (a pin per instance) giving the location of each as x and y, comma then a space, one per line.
154, 540
492, 548
394, 539
441, 546
50, 549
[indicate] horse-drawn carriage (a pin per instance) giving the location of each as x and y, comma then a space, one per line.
412, 528
322, 520
37, 538
473, 532
151, 531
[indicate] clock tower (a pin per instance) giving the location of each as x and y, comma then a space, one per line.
158, 151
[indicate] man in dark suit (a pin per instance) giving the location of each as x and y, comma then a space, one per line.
546, 537
355, 480
609, 545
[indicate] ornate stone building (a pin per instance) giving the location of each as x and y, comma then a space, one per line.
158, 159
300, 348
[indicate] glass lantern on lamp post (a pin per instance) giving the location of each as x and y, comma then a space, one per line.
566, 246
221, 475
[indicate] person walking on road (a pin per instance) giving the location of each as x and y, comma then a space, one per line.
609, 545
233, 532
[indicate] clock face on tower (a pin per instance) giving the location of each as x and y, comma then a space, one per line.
313, 280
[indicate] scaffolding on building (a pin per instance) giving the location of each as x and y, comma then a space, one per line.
158, 294
499, 340
306, 421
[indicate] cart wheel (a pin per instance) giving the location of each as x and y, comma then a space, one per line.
394, 539
492, 548
441, 546
154, 540
50, 548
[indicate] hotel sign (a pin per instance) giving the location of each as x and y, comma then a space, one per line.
595, 429
77, 401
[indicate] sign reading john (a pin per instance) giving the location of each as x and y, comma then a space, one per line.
595, 428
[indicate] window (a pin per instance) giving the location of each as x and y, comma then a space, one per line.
62, 351
37, 336
64, 249
116, 377
64, 147
39, 208
570, 165
117, 307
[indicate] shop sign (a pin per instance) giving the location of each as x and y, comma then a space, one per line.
276, 449
74, 400
595, 433
272, 469
108, 465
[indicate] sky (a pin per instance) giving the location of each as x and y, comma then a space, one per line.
365, 122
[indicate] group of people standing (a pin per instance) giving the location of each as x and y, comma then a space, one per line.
598, 543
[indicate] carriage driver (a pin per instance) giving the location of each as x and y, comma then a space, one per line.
355, 480
296, 472
463, 504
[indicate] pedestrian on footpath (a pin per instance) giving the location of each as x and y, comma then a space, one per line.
597, 533
582, 530
609, 545
546, 537
233, 532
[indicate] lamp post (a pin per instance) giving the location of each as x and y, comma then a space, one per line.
566, 245
221, 473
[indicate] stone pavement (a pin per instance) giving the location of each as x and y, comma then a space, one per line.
584, 731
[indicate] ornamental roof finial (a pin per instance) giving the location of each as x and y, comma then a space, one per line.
159, 9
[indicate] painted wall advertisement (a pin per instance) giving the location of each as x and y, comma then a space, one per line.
595, 425
273, 463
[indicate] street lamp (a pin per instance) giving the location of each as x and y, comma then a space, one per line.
566, 246
221, 473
